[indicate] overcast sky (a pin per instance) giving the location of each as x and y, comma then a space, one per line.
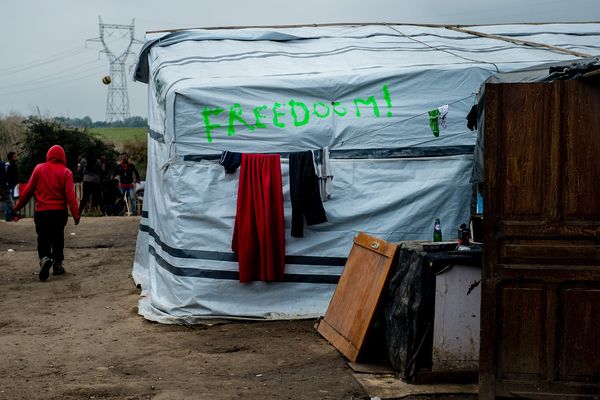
46, 65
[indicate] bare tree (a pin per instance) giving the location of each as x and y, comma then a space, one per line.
12, 133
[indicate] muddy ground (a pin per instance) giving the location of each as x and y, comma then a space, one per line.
78, 336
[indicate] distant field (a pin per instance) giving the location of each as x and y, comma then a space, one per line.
121, 135
131, 140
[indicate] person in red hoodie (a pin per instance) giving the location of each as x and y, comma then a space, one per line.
52, 184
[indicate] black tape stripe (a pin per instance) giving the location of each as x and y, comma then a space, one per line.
201, 157
403, 152
232, 257
398, 152
159, 137
233, 275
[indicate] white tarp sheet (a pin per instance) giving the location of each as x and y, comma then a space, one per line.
365, 92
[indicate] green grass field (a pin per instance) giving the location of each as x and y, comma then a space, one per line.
131, 140
122, 135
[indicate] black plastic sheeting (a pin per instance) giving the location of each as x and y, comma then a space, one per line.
573, 71
409, 306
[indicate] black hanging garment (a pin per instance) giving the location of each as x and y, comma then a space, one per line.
230, 161
305, 193
472, 118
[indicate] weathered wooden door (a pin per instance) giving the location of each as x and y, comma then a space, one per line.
541, 265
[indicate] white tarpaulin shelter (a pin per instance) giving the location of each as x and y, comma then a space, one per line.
362, 91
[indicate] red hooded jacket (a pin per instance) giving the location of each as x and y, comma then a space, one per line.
52, 184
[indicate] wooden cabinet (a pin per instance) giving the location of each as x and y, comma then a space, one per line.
541, 262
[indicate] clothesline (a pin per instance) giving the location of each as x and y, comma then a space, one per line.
445, 50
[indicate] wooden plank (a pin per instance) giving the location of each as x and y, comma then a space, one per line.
357, 294
390, 387
521, 42
551, 396
592, 76
371, 368
338, 340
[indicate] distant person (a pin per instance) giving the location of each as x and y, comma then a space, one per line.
4, 196
104, 177
91, 173
128, 177
52, 184
12, 181
113, 200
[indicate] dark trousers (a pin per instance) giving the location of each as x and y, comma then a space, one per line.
50, 228
90, 189
304, 193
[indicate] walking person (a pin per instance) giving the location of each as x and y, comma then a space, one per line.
12, 180
54, 189
128, 177
91, 172
4, 195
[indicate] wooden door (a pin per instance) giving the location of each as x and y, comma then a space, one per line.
541, 264
358, 295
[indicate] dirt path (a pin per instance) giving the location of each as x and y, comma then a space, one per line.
78, 336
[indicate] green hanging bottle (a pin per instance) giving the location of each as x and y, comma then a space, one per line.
437, 231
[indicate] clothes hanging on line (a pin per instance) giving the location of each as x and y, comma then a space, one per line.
472, 118
304, 193
258, 232
231, 161
443, 116
323, 171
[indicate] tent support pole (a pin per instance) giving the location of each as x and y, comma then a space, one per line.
520, 42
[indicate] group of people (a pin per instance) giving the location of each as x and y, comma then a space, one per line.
53, 185
105, 191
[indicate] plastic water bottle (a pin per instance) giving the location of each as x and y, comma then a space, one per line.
437, 231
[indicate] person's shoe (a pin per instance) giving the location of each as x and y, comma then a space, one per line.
57, 268
45, 264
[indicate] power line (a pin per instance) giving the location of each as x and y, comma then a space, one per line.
63, 81
44, 61
58, 74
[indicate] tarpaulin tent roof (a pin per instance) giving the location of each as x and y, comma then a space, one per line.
362, 91
549, 72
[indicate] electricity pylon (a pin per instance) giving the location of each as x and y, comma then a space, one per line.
117, 101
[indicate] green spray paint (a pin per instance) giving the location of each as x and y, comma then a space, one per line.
258, 116
388, 100
208, 127
293, 105
335, 105
235, 114
371, 100
277, 114
324, 106
299, 114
